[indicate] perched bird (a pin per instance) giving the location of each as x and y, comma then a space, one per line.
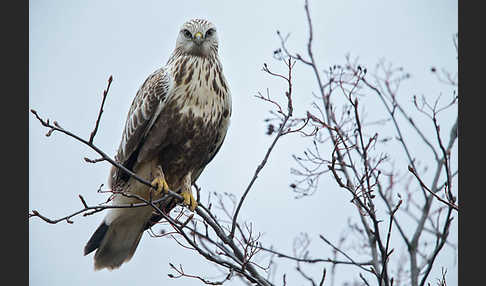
175, 126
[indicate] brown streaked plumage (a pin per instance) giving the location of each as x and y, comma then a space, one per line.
175, 126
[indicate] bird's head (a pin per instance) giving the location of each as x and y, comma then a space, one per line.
198, 37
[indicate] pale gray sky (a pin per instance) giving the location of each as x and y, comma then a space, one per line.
75, 45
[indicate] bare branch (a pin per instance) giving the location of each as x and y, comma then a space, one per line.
288, 94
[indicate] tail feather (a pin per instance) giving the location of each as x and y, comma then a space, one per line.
95, 240
115, 242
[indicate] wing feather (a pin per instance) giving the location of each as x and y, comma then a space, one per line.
145, 108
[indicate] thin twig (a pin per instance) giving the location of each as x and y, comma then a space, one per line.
422, 184
105, 93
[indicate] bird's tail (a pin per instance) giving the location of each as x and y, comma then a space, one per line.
117, 238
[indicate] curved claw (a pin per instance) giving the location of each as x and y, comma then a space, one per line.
161, 185
189, 200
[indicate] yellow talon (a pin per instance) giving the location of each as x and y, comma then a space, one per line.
189, 200
161, 185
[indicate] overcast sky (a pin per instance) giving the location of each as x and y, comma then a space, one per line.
74, 46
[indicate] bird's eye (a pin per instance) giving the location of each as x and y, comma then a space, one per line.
210, 32
187, 33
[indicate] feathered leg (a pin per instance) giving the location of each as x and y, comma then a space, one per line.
159, 181
186, 192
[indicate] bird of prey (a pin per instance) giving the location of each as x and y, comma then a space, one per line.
175, 126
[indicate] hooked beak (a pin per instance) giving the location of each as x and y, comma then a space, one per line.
198, 38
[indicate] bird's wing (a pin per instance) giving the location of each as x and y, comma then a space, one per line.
145, 108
